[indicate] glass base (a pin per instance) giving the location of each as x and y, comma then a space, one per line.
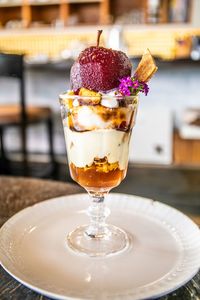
114, 241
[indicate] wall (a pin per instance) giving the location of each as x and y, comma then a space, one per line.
195, 13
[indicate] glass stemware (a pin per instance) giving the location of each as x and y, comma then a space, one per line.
97, 132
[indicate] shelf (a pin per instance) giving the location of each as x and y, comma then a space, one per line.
45, 14
83, 1
10, 14
44, 3
86, 13
53, 2
161, 40
8, 4
74, 12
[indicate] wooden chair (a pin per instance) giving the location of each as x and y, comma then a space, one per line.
20, 115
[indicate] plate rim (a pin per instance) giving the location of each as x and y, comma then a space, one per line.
77, 196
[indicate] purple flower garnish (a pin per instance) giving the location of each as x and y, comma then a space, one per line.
131, 86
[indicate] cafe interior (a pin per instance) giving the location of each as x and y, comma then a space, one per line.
39, 42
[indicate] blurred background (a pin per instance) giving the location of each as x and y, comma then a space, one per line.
51, 33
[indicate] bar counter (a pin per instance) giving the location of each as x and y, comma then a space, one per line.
167, 41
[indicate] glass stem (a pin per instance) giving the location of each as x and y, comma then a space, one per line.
98, 213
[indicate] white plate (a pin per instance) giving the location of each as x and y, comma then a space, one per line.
165, 252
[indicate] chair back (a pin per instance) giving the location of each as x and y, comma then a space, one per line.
12, 65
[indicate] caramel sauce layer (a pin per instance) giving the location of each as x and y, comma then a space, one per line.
98, 176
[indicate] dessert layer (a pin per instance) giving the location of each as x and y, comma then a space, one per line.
84, 148
93, 178
82, 118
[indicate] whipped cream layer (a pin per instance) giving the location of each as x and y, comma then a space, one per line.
99, 117
84, 147
88, 119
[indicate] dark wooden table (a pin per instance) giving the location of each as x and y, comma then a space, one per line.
17, 193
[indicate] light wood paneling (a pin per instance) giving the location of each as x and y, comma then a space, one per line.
186, 151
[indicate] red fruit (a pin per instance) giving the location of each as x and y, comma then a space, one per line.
99, 69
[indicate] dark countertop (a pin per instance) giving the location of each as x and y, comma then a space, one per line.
174, 185
17, 193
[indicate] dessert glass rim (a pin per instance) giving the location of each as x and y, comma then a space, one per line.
64, 97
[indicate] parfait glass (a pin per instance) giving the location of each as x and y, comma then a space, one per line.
97, 131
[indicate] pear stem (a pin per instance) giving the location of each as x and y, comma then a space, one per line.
98, 36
